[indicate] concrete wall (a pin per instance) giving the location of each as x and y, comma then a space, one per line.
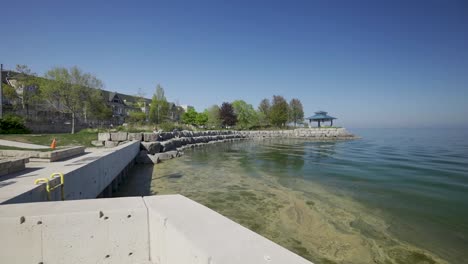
90, 176
165, 229
87, 231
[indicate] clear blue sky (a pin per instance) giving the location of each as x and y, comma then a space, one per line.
369, 63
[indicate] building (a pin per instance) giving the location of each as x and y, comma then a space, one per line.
320, 117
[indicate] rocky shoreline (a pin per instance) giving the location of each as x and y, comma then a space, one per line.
156, 147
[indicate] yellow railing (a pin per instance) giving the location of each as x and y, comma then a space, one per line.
49, 188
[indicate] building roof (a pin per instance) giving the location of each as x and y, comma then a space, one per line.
321, 115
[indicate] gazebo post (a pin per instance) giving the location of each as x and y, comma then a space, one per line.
319, 123
331, 122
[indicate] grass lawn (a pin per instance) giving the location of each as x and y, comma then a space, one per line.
79, 139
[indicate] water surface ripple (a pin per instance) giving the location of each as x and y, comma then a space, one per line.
394, 196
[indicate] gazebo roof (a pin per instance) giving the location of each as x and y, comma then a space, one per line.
321, 115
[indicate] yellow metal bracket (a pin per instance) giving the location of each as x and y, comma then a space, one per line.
62, 183
49, 188
46, 181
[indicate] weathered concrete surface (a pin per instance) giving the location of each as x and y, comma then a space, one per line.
86, 176
148, 137
17, 144
8, 166
104, 136
119, 136
85, 231
162, 229
183, 231
135, 136
111, 144
97, 143
53, 155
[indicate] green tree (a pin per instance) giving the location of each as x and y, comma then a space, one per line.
214, 120
69, 91
201, 119
190, 117
27, 84
9, 93
227, 115
159, 106
296, 111
246, 115
137, 117
279, 111
264, 109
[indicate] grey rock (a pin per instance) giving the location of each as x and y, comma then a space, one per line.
119, 136
168, 145
97, 143
151, 147
150, 137
103, 136
166, 155
111, 144
135, 136
144, 158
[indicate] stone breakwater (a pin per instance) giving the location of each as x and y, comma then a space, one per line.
307, 133
156, 147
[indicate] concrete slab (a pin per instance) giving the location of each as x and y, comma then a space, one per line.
17, 144
85, 231
85, 176
183, 231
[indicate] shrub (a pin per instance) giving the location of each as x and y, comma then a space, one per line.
11, 124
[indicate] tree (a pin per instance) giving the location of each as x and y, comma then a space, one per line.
159, 106
27, 83
137, 117
190, 117
201, 119
227, 115
9, 94
69, 90
24, 69
296, 111
264, 109
279, 111
214, 120
246, 115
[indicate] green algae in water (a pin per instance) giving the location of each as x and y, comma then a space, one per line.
307, 217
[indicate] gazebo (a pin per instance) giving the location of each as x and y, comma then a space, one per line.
321, 116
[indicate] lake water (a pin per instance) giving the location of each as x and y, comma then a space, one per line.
394, 196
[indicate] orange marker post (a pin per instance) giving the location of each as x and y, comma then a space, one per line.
54, 144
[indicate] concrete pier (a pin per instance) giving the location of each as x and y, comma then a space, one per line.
163, 229
86, 176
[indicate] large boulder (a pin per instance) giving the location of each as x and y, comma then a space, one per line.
104, 136
168, 146
111, 144
135, 136
97, 143
167, 155
119, 136
150, 137
144, 158
151, 147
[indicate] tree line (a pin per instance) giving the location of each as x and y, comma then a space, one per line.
78, 94
238, 114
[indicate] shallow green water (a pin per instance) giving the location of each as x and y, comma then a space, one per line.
395, 196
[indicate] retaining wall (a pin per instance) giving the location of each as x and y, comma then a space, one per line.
90, 176
163, 229
309, 133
